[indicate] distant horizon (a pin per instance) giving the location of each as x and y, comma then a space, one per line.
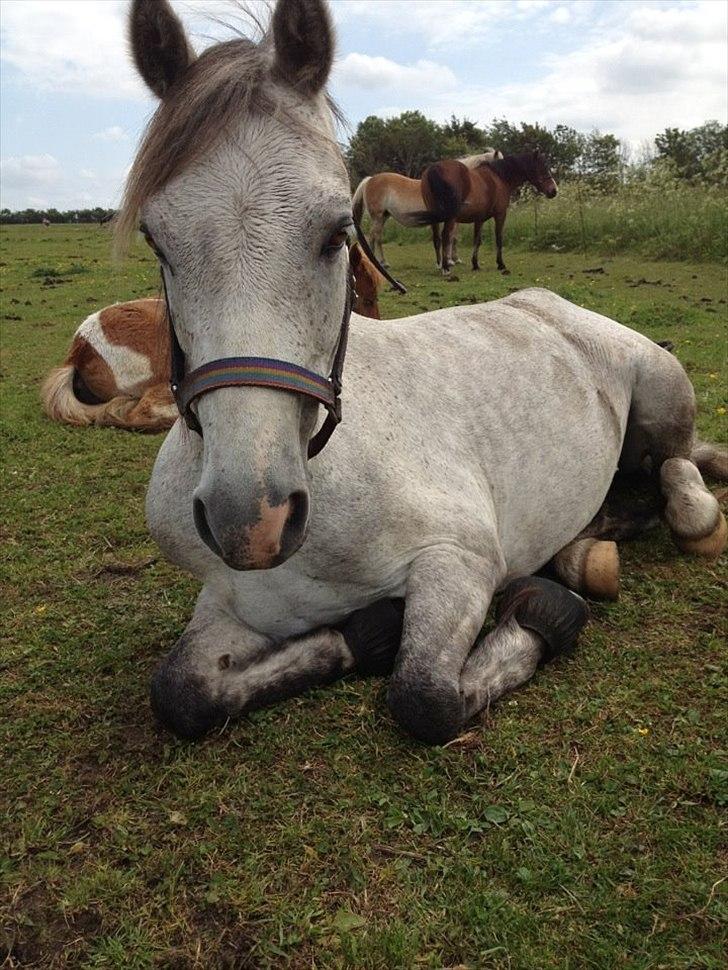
73, 112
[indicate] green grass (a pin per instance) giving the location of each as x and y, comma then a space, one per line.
581, 826
656, 222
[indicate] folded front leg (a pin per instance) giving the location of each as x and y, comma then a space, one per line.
448, 595
220, 668
440, 681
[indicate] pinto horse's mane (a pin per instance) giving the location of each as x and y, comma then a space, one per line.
223, 82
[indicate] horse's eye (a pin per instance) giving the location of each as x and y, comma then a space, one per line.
153, 246
335, 242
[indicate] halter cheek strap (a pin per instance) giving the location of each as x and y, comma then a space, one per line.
260, 372
266, 371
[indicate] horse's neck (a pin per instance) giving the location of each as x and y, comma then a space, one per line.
508, 172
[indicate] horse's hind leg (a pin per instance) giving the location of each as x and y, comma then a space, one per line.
378, 219
477, 237
661, 431
437, 243
692, 512
448, 234
154, 411
590, 567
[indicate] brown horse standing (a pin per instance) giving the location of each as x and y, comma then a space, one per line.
454, 193
390, 194
116, 372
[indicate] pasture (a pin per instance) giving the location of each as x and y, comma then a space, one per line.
582, 825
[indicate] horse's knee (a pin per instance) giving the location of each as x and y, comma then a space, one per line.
180, 700
431, 712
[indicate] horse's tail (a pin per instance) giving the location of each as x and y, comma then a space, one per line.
62, 396
712, 460
445, 187
60, 403
358, 202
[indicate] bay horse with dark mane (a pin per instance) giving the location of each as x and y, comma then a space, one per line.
455, 193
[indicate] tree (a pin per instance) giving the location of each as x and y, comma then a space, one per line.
695, 154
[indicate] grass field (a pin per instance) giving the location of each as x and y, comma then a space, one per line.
581, 826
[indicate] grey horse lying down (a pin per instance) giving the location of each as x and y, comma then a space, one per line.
478, 443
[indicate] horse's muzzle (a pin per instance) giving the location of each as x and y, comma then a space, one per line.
550, 189
253, 535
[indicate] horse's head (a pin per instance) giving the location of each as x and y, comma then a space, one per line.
368, 281
537, 172
242, 192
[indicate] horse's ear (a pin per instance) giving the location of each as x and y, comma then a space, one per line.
303, 36
537, 153
159, 44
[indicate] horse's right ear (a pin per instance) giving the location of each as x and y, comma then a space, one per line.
159, 44
303, 37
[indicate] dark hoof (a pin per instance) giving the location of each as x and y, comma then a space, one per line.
373, 635
181, 705
504, 271
547, 608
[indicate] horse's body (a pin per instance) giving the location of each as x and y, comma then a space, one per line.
390, 194
477, 441
116, 372
454, 192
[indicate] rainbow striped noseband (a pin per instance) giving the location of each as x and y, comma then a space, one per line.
267, 372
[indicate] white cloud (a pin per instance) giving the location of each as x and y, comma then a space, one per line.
80, 46
111, 134
646, 68
562, 15
40, 181
29, 171
380, 73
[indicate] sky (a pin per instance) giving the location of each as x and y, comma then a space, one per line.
72, 108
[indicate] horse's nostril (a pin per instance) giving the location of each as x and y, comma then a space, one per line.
199, 514
298, 502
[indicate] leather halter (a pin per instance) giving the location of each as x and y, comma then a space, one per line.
266, 371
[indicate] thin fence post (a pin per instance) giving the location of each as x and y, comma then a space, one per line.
580, 203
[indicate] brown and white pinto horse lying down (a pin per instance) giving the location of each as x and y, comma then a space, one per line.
116, 373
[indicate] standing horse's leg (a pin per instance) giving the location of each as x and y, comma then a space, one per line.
378, 221
448, 233
662, 429
439, 682
477, 237
455, 257
220, 668
437, 243
500, 218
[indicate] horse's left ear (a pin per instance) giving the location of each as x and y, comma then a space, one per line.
159, 44
537, 153
304, 43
